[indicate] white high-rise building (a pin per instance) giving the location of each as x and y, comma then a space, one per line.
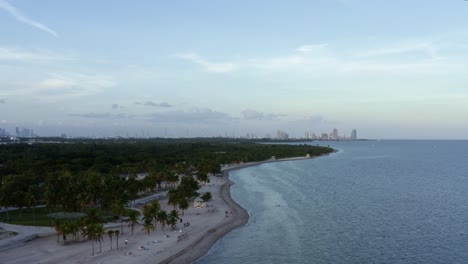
353, 134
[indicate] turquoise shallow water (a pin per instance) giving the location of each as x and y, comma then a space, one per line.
372, 202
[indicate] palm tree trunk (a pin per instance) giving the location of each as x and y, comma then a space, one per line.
100, 248
92, 244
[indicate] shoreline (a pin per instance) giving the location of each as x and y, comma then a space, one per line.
186, 245
240, 216
202, 245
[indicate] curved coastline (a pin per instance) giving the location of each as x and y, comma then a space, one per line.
202, 245
240, 217
193, 244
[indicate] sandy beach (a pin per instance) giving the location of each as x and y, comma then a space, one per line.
184, 245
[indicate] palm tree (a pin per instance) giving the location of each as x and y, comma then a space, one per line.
110, 233
147, 211
118, 208
162, 218
99, 232
64, 230
172, 218
57, 225
173, 198
132, 219
117, 233
183, 204
206, 197
81, 226
155, 207
148, 225
92, 216
90, 234
31, 200
74, 228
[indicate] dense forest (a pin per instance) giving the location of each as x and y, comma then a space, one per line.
104, 173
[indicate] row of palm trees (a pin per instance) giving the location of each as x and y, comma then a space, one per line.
152, 212
89, 227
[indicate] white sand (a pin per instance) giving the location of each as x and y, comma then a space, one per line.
207, 225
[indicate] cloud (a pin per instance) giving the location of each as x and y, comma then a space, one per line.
72, 85
197, 115
23, 18
310, 122
2, 101
315, 119
102, 115
207, 65
153, 104
255, 115
116, 106
427, 48
312, 48
321, 60
15, 54
304, 58
58, 86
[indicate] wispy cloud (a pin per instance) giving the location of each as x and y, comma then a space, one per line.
404, 57
16, 54
313, 48
72, 85
154, 104
250, 114
194, 116
207, 65
117, 106
311, 122
427, 48
102, 115
23, 18
58, 86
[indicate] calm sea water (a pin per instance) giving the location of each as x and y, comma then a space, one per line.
372, 202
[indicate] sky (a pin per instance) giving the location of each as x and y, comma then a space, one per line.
390, 69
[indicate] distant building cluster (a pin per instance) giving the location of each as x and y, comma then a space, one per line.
281, 135
331, 136
24, 132
19, 132
4, 133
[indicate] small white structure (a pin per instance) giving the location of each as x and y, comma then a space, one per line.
198, 203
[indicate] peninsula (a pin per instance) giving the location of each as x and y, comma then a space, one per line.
199, 223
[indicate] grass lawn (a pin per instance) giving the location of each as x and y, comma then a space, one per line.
26, 216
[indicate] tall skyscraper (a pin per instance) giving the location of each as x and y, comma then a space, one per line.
335, 133
353, 134
281, 135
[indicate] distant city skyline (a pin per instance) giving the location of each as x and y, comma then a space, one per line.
391, 69
23, 132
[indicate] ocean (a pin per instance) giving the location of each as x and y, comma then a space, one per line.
383, 201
